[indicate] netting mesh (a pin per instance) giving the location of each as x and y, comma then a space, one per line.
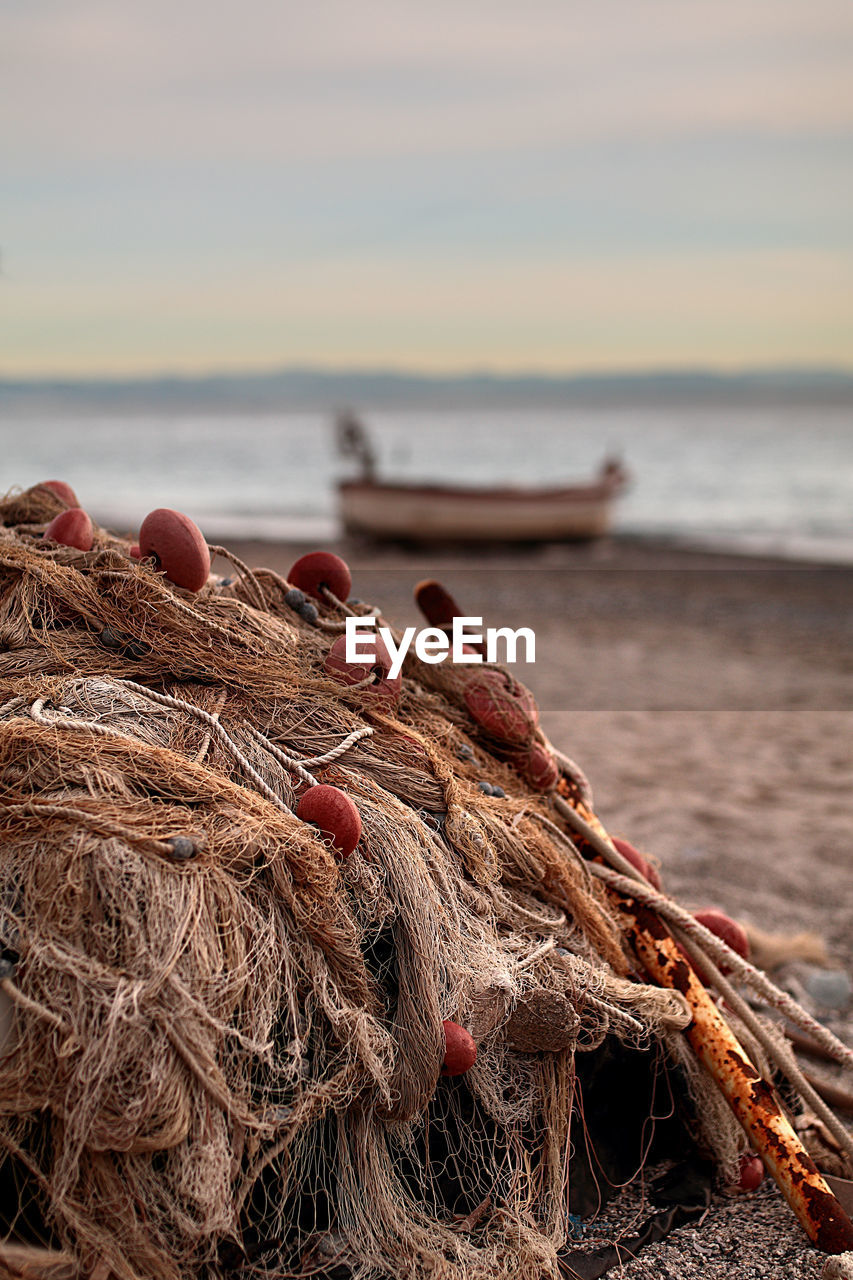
229, 1063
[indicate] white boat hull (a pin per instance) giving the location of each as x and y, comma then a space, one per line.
472, 515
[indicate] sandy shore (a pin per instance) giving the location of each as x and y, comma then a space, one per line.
710, 701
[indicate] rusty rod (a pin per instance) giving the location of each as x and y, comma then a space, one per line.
750, 1096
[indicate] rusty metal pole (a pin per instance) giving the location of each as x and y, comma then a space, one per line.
750, 1096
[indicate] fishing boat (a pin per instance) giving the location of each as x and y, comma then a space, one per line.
385, 510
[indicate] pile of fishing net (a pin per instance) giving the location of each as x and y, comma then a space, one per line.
227, 1048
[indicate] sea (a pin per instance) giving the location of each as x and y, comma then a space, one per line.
757, 479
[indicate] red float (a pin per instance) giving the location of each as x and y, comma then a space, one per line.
501, 706
636, 859
384, 690
178, 546
321, 569
439, 608
334, 814
460, 1051
71, 528
62, 490
436, 604
537, 766
751, 1172
724, 927
135, 553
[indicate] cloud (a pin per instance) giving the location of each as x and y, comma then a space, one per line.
288, 81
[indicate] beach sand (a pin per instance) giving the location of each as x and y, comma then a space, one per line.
709, 700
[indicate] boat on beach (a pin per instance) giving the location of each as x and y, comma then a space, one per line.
385, 510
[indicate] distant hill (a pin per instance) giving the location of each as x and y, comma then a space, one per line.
325, 390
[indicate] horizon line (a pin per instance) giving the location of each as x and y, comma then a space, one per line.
447, 374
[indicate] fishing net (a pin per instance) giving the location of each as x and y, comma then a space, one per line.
222, 1044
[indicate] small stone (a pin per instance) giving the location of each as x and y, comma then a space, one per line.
464, 752
498, 792
122, 643
486, 788
111, 639
839, 1267
294, 598
183, 848
829, 987
308, 611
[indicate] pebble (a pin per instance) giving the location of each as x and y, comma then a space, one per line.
839, 1267
124, 644
829, 987
183, 848
492, 789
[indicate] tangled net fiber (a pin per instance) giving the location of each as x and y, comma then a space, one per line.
224, 1044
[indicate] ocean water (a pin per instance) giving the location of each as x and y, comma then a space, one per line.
769, 479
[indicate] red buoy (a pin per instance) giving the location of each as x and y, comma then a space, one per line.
751, 1172
460, 1051
501, 706
321, 569
384, 689
62, 490
636, 859
537, 766
334, 814
724, 927
177, 545
72, 528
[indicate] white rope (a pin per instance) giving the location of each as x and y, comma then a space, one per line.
58, 721
720, 951
747, 1016
178, 704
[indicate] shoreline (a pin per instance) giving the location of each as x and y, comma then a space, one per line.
614, 550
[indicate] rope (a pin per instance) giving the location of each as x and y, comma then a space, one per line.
182, 607
57, 721
205, 743
713, 948
301, 766
257, 589
787, 1066
178, 704
331, 598
94, 822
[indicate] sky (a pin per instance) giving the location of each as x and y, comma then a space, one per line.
560, 185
